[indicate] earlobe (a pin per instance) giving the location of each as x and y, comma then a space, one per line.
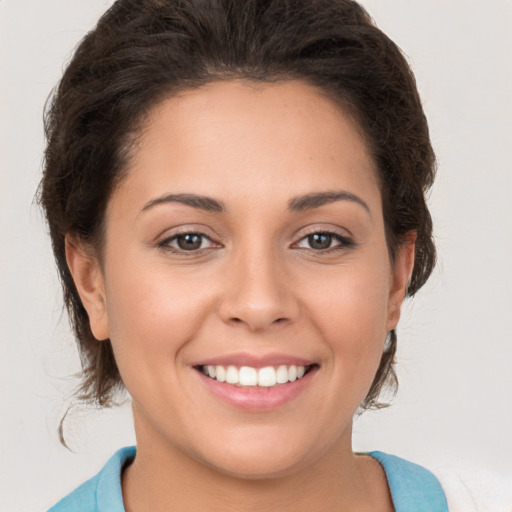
401, 274
89, 282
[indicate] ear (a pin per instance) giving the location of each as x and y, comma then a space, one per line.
400, 275
88, 278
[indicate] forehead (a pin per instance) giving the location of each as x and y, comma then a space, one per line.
239, 139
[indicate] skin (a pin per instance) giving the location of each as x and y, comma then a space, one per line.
256, 285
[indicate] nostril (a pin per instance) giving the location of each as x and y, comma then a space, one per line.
237, 320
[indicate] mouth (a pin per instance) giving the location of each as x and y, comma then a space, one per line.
251, 377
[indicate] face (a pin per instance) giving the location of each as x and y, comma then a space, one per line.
246, 284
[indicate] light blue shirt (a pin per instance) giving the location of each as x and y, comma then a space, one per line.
413, 488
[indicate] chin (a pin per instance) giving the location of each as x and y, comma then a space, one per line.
260, 457
263, 466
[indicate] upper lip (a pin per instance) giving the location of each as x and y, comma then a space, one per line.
254, 360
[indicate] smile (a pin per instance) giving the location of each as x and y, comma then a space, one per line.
256, 383
247, 376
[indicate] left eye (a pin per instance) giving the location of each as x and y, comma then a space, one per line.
322, 241
187, 242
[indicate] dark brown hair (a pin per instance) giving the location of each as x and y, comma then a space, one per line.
143, 51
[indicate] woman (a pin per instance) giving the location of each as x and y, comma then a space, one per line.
236, 198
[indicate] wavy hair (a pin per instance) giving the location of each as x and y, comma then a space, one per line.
143, 51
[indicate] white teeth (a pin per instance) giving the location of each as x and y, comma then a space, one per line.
267, 376
282, 374
220, 373
248, 376
232, 375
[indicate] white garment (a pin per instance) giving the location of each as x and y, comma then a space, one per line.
475, 490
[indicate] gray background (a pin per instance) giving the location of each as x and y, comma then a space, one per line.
453, 412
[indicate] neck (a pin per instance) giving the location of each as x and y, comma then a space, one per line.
164, 478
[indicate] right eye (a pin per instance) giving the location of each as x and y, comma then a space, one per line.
187, 242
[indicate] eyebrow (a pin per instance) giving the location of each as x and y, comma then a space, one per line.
315, 200
196, 201
296, 204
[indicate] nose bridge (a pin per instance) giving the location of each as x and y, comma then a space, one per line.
257, 295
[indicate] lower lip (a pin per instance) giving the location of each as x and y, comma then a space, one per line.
257, 398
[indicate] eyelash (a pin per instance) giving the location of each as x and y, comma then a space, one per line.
344, 242
166, 243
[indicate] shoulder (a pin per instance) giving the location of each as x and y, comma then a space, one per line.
457, 488
412, 487
473, 489
82, 499
103, 491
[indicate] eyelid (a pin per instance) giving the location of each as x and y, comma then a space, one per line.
164, 240
346, 241
185, 229
323, 227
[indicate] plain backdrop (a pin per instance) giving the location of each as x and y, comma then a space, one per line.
453, 412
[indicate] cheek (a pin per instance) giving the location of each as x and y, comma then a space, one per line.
350, 310
151, 315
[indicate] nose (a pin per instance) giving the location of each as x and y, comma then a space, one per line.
258, 293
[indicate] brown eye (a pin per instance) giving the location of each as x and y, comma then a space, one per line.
189, 242
325, 241
320, 241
